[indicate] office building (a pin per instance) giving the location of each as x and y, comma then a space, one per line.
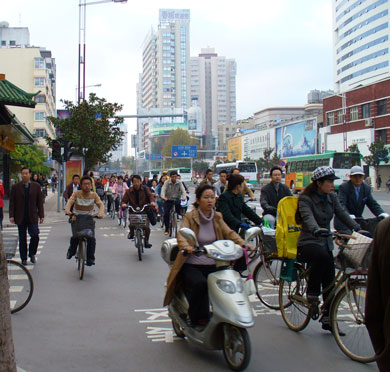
361, 43
14, 37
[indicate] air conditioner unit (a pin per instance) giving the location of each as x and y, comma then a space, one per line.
369, 122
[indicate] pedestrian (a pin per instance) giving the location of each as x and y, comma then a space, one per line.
378, 181
100, 188
378, 296
1, 204
72, 187
26, 206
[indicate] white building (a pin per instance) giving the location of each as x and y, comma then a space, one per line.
361, 42
121, 151
13, 36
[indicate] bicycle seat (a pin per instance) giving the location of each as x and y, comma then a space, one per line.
86, 233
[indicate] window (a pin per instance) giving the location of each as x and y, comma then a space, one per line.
39, 63
382, 135
298, 166
330, 118
41, 98
3, 43
311, 165
340, 117
40, 132
366, 108
381, 107
39, 81
353, 113
39, 116
12, 42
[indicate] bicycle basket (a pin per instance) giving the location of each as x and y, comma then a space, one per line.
268, 238
9, 243
138, 220
356, 250
84, 226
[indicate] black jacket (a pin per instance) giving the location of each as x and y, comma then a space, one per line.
232, 206
347, 198
269, 198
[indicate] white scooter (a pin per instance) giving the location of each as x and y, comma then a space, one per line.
231, 312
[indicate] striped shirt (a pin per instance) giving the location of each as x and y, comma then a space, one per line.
84, 203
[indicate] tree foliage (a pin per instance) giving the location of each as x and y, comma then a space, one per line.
128, 162
379, 152
353, 148
92, 128
200, 166
267, 161
31, 156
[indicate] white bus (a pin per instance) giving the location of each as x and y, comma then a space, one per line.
248, 169
185, 173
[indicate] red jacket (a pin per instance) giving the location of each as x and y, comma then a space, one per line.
1, 196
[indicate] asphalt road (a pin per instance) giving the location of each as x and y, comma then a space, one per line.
113, 320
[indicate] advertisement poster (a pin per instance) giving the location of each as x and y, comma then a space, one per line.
297, 139
73, 167
235, 144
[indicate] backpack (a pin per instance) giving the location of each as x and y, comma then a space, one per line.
287, 228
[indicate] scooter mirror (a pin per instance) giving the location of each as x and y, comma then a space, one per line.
189, 235
252, 233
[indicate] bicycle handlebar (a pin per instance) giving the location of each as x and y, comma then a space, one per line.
139, 209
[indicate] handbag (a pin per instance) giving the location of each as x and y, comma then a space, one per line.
152, 215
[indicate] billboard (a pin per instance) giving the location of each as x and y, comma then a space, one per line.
255, 143
235, 144
160, 129
174, 15
297, 138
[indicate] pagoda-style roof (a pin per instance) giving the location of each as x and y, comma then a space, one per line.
11, 95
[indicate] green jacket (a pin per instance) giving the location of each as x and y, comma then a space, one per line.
232, 206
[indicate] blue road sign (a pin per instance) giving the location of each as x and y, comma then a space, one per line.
186, 151
153, 157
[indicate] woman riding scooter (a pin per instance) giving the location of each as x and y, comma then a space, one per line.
208, 226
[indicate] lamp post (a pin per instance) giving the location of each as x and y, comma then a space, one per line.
82, 23
88, 86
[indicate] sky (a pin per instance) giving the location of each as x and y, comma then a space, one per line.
283, 48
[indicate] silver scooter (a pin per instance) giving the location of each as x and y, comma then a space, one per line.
231, 312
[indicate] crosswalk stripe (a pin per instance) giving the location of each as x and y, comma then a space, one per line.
15, 288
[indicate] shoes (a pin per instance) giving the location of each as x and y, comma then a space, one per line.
166, 233
69, 255
327, 327
90, 262
130, 236
24, 262
148, 245
33, 259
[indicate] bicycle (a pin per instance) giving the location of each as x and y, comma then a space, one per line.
122, 215
139, 221
172, 229
346, 300
21, 284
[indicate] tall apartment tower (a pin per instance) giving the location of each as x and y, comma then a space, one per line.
361, 42
213, 84
166, 57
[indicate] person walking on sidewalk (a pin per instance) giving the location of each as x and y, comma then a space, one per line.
25, 207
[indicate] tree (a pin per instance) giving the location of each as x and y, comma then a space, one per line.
353, 148
31, 156
92, 127
7, 351
379, 152
200, 167
177, 137
266, 162
128, 162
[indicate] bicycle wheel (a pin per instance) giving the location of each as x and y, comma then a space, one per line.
347, 316
138, 243
174, 226
81, 258
236, 347
295, 312
266, 276
21, 285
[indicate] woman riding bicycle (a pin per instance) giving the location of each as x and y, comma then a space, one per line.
160, 202
317, 205
118, 190
208, 226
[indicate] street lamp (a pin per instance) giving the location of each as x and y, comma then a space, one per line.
82, 23
88, 86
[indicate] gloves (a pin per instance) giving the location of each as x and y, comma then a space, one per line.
323, 233
384, 215
352, 216
365, 233
244, 225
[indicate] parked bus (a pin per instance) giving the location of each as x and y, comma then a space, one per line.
185, 173
151, 173
299, 168
248, 169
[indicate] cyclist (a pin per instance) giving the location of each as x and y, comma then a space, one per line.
208, 178
354, 195
317, 205
160, 203
271, 194
172, 191
108, 191
83, 202
118, 191
245, 190
221, 184
137, 196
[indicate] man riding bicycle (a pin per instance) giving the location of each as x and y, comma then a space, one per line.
83, 202
172, 191
137, 196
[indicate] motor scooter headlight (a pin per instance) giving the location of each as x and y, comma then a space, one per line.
239, 286
226, 286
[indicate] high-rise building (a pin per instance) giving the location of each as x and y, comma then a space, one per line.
121, 151
361, 43
165, 58
213, 84
32, 69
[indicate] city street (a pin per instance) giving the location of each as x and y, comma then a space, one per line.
113, 320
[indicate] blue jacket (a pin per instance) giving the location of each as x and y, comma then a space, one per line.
347, 197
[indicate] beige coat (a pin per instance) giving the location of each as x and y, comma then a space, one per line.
191, 220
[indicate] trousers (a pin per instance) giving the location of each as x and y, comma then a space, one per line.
167, 209
33, 231
74, 242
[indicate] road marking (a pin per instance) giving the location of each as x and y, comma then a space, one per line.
16, 288
113, 235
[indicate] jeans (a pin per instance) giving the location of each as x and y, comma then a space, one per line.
167, 209
109, 202
196, 290
33, 231
322, 269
